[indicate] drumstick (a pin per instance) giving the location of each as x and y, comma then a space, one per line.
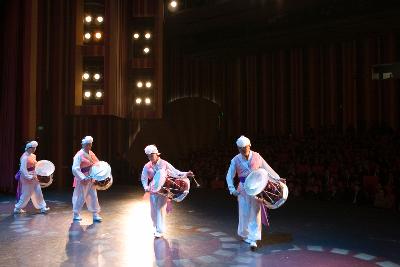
197, 184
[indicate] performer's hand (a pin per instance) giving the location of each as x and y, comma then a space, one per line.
147, 189
235, 193
190, 174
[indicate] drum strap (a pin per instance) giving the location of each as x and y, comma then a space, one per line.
264, 215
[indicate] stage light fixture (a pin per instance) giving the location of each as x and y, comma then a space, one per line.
99, 19
147, 101
88, 19
146, 50
87, 94
98, 35
99, 94
136, 35
138, 101
87, 36
173, 4
139, 84
96, 77
148, 84
147, 35
86, 76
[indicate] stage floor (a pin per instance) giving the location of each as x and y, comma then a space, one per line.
201, 232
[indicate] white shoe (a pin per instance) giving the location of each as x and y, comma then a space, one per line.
158, 235
77, 217
97, 218
253, 245
44, 210
18, 211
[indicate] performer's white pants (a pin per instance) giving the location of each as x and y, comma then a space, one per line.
85, 193
249, 217
158, 207
30, 190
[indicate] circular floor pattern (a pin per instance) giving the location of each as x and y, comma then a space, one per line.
190, 245
202, 246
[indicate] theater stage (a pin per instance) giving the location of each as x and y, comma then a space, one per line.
201, 232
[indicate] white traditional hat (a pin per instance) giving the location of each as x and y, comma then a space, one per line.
150, 149
243, 141
31, 144
87, 140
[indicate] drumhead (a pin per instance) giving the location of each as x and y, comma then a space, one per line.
158, 180
100, 171
255, 182
44, 168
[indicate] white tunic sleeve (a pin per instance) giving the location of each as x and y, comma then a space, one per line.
23, 168
270, 171
230, 175
174, 172
76, 168
144, 178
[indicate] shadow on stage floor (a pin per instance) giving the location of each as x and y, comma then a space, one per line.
201, 232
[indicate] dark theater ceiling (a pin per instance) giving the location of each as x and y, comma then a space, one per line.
208, 26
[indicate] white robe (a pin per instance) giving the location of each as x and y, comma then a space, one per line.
30, 188
158, 203
84, 191
249, 226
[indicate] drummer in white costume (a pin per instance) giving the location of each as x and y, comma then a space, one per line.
158, 203
28, 184
242, 164
84, 191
